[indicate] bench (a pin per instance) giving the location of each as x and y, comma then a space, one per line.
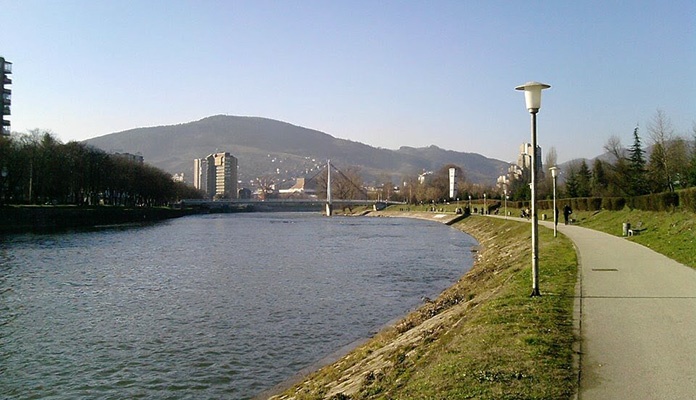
637, 230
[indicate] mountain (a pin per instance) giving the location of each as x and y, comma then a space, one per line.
270, 148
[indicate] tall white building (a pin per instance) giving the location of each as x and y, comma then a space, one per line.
524, 160
216, 175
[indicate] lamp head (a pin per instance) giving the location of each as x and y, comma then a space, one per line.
553, 171
532, 94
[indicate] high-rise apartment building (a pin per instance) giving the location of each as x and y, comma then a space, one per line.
524, 161
200, 178
216, 175
5, 81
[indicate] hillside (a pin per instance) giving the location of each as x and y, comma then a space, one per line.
267, 147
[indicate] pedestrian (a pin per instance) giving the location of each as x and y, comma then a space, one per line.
555, 219
566, 213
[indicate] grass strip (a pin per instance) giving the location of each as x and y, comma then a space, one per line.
482, 338
672, 234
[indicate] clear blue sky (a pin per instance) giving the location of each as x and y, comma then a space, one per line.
384, 73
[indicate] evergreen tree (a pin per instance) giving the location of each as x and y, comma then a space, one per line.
584, 178
600, 181
572, 184
637, 184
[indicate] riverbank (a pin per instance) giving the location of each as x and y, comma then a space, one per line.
443, 217
483, 338
19, 219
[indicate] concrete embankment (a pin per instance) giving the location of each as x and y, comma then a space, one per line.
445, 218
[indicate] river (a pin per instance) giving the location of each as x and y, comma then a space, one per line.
207, 307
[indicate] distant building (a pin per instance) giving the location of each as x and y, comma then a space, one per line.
5, 81
244, 193
301, 186
216, 175
524, 160
523, 169
200, 174
178, 177
425, 177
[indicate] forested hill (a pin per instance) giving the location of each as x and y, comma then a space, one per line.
267, 147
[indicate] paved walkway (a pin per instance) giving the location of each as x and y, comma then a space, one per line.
637, 320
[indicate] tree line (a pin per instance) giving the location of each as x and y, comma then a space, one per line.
670, 165
36, 168
667, 164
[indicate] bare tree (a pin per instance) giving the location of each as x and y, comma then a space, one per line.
348, 184
660, 168
614, 147
550, 160
678, 160
619, 171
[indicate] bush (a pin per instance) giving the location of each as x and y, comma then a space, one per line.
687, 199
666, 201
613, 203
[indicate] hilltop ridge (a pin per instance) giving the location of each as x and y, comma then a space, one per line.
267, 147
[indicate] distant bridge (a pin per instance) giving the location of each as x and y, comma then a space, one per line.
310, 204
231, 205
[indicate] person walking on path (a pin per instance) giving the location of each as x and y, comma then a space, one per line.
566, 213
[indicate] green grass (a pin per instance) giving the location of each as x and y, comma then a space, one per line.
483, 338
670, 233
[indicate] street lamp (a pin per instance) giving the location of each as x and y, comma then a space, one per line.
485, 209
554, 170
532, 98
470, 205
505, 200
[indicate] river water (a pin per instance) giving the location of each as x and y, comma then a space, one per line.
207, 307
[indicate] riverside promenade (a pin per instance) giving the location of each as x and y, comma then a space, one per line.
637, 319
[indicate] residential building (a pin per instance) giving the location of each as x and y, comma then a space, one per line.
523, 169
200, 174
425, 177
524, 160
216, 175
5, 81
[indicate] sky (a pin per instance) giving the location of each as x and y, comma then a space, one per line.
384, 73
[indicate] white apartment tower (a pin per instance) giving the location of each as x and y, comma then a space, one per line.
524, 160
216, 175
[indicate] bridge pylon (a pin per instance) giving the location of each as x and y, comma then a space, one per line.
329, 206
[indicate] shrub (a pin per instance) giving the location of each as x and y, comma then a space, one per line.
687, 199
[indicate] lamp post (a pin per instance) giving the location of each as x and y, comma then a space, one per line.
532, 98
485, 209
554, 170
505, 200
470, 209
